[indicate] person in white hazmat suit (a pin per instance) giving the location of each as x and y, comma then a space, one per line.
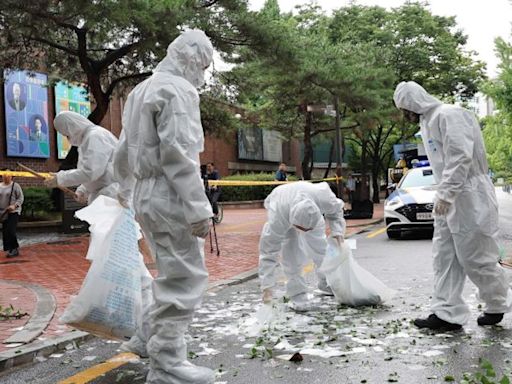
94, 172
296, 229
465, 211
158, 157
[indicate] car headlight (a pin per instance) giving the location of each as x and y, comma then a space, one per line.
394, 201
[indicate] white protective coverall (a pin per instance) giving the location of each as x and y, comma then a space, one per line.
299, 203
158, 156
464, 241
94, 173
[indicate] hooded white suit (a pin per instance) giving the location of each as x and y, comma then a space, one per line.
94, 173
465, 240
158, 156
300, 203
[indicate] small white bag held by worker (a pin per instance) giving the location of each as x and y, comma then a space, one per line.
350, 283
109, 303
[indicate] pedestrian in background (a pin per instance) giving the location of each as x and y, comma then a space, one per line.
11, 200
351, 187
213, 191
281, 174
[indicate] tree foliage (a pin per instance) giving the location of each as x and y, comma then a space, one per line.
110, 44
356, 55
498, 128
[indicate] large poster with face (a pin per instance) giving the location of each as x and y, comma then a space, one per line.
26, 114
74, 98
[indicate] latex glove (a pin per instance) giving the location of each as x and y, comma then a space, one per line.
267, 295
441, 207
51, 182
123, 201
339, 239
80, 197
201, 228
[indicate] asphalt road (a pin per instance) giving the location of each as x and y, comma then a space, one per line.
370, 345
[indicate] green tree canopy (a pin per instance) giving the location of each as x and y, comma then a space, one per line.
109, 44
498, 128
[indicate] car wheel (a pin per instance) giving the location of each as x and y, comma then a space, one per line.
393, 235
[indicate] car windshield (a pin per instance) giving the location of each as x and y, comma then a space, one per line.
418, 178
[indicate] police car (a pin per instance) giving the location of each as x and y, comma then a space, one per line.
409, 208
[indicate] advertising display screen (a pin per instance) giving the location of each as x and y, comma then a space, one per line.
259, 144
272, 146
26, 114
69, 98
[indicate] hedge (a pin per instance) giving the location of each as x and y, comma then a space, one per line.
243, 193
37, 201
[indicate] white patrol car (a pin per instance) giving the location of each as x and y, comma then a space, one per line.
409, 207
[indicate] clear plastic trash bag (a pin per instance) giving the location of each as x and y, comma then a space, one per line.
350, 283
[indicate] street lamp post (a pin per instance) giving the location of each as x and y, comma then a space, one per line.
338, 147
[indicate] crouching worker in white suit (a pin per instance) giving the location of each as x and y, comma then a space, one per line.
465, 211
158, 157
296, 229
94, 172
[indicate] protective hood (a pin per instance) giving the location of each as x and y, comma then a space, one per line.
305, 214
413, 97
72, 125
188, 56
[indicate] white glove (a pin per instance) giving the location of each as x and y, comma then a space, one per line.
339, 239
80, 197
123, 201
201, 228
441, 207
267, 295
51, 182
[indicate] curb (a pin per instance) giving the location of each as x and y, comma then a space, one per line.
43, 313
376, 221
40, 349
29, 353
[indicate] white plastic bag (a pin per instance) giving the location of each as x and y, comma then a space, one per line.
350, 283
110, 303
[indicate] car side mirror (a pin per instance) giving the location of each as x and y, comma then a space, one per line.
392, 187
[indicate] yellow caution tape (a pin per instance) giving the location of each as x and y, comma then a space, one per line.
242, 183
220, 183
23, 174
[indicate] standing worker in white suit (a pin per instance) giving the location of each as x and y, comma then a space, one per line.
465, 210
158, 158
296, 229
94, 172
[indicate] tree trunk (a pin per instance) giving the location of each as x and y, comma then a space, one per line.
363, 193
331, 155
375, 181
308, 148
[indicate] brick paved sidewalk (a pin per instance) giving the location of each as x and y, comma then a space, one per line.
60, 266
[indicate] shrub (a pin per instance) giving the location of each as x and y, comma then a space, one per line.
246, 193
36, 200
